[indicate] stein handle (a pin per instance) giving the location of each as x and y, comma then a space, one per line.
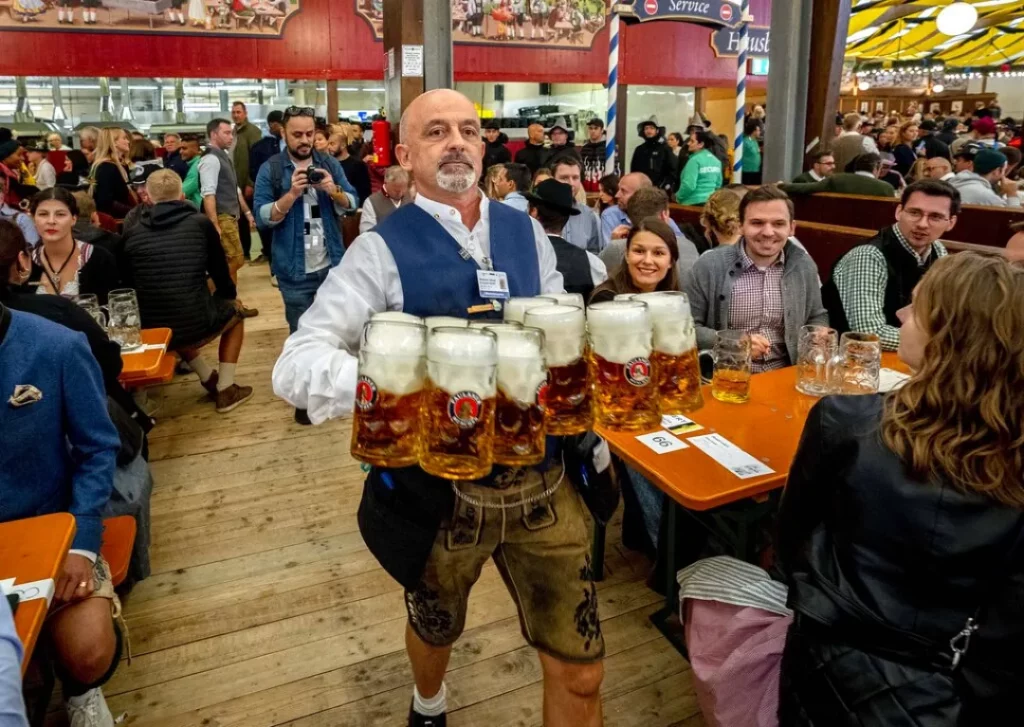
833, 374
710, 354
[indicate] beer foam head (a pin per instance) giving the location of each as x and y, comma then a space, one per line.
433, 322
674, 333
392, 355
515, 308
619, 330
462, 360
564, 329
490, 324
396, 316
624, 296
521, 370
567, 299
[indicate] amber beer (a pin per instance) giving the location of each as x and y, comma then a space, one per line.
522, 384
731, 380
732, 387
621, 343
568, 402
389, 392
675, 358
458, 409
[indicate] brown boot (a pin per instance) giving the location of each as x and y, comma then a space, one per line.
211, 385
232, 397
249, 312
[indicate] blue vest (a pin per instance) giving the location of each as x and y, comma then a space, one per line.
437, 280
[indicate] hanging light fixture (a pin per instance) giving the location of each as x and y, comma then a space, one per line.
863, 85
957, 19
938, 88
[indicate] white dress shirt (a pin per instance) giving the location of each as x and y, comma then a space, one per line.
317, 368
368, 217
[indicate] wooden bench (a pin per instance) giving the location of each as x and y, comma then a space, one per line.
118, 541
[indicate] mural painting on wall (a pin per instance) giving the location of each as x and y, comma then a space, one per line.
563, 24
265, 18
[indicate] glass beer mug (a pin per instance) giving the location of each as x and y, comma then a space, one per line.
675, 351
621, 344
817, 346
125, 323
91, 304
731, 355
857, 366
389, 392
515, 308
457, 419
519, 429
568, 405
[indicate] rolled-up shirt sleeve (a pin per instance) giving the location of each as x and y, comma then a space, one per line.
209, 172
318, 367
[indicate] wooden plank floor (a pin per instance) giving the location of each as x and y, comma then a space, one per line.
265, 608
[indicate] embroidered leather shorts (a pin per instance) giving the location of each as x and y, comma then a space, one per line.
542, 551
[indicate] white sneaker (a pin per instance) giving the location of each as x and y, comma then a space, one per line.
89, 710
273, 280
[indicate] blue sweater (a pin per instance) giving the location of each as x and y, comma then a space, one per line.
59, 453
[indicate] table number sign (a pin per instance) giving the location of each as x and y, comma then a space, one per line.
661, 442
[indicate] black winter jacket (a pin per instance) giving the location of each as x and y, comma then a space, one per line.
656, 160
166, 258
533, 156
497, 152
883, 570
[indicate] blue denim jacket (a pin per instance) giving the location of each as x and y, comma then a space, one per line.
289, 260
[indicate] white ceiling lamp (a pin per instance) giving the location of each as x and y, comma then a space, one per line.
863, 85
956, 18
938, 88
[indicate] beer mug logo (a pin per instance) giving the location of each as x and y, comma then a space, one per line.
542, 394
638, 371
366, 393
464, 409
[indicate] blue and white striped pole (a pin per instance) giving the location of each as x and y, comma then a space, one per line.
741, 95
613, 92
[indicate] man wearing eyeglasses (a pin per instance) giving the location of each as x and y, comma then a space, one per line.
871, 282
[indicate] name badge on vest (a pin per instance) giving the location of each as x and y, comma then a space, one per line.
493, 284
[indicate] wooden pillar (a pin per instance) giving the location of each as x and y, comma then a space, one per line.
332, 102
621, 129
427, 53
830, 22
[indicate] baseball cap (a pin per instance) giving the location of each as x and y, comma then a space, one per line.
968, 151
141, 172
988, 160
984, 125
928, 125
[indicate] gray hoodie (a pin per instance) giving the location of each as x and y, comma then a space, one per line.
975, 189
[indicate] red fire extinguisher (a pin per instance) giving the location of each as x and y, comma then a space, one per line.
382, 142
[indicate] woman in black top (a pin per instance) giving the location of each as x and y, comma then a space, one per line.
901, 529
109, 174
904, 150
62, 265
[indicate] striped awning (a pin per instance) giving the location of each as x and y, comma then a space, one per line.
905, 31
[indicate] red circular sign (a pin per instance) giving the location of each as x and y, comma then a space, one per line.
651, 7
366, 393
464, 409
638, 371
726, 12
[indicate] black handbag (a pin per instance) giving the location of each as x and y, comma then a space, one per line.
399, 515
588, 467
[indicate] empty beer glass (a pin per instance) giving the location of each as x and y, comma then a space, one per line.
124, 325
458, 409
91, 305
857, 366
515, 308
816, 347
389, 393
522, 384
433, 322
568, 404
621, 343
394, 315
731, 380
675, 363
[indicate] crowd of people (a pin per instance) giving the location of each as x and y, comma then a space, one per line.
887, 565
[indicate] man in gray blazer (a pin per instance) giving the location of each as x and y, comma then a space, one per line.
763, 284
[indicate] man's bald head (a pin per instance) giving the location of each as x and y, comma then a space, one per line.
628, 186
440, 144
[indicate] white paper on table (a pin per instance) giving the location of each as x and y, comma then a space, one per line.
6, 586
35, 589
146, 347
742, 464
888, 379
661, 442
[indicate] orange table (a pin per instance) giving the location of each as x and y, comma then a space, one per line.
31, 550
146, 363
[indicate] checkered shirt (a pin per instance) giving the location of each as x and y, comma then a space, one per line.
861, 276
756, 307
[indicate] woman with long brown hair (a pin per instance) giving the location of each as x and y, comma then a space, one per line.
650, 262
901, 529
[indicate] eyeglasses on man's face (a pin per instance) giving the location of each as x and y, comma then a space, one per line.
915, 215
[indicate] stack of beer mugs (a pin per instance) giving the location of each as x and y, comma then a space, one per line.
458, 397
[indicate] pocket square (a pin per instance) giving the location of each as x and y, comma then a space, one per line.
24, 394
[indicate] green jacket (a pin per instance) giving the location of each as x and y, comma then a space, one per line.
245, 136
844, 183
751, 155
701, 176
190, 187
804, 178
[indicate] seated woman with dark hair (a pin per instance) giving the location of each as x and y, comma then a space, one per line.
62, 265
901, 529
651, 255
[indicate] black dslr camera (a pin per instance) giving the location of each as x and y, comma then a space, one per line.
315, 176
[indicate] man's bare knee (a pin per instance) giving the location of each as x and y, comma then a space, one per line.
88, 660
581, 680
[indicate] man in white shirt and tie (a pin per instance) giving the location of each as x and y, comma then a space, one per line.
423, 259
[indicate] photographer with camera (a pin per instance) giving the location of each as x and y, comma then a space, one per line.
295, 193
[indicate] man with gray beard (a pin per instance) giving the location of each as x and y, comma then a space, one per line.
435, 535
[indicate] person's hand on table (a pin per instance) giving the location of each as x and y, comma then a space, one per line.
75, 582
759, 346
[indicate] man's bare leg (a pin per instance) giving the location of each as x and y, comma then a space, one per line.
429, 663
572, 693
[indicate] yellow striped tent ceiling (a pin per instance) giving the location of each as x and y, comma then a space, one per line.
905, 31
